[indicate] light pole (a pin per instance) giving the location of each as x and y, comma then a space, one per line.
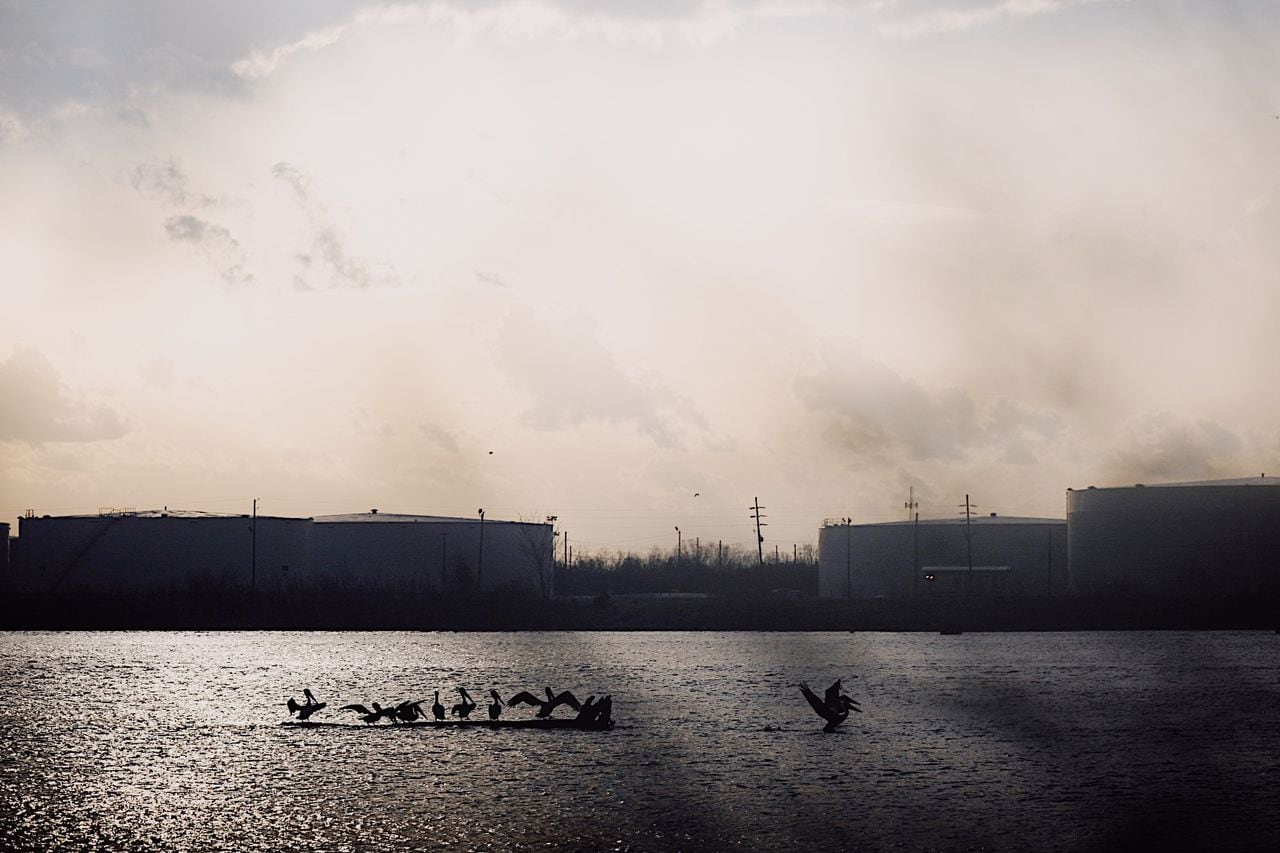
480, 558
848, 558
551, 582
253, 561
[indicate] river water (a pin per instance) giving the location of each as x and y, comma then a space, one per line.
1075, 741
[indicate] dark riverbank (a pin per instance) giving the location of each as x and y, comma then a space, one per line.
377, 609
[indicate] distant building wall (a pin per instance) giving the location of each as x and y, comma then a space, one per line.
159, 551
1183, 540
6, 578
424, 552
890, 560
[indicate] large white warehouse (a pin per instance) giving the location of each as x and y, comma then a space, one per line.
126, 551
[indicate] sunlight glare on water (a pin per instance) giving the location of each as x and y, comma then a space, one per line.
1000, 741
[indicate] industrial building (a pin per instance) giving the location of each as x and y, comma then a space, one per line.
986, 555
1201, 539
161, 550
423, 551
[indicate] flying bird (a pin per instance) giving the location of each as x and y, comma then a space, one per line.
834, 707
308, 708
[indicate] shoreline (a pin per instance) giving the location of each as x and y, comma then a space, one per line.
408, 611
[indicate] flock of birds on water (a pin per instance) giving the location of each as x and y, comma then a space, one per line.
833, 707
592, 712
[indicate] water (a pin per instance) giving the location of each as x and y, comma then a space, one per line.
982, 741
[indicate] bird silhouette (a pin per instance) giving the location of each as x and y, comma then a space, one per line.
306, 709
371, 715
437, 710
834, 707
464, 708
495, 710
408, 712
546, 706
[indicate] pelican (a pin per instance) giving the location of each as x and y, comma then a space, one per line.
306, 710
545, 707
373, 716
834, 707
464, 708
408, 711
437, 710
495, 710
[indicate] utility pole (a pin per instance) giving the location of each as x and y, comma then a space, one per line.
915, 555
253, 538
677, 547
551, 585
968, 539
480, 559
910, 507
565, 533
759, 536
848, 557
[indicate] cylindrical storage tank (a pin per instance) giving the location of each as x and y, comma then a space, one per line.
900, 559
1182, 540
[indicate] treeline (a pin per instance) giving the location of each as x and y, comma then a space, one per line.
706, 572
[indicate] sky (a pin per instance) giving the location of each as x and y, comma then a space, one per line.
635, 264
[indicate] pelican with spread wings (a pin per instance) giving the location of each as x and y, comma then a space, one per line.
306, 709
834, 706
545, 706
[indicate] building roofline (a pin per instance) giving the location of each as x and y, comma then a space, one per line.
1262, 480
984, 520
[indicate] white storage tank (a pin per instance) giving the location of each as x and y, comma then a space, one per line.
1214, 538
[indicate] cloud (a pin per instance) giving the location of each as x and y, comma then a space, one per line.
258, 65
167, 181
292, 175
911, 20
214, 241
441, 436
572, 379
863, 406
1165, 447
158, 374
492, 279
38, 408
326, 240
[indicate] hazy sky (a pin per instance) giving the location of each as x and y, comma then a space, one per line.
591, 259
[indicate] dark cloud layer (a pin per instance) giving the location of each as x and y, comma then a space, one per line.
38, 408
61, 50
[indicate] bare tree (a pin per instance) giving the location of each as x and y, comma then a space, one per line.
538, 545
